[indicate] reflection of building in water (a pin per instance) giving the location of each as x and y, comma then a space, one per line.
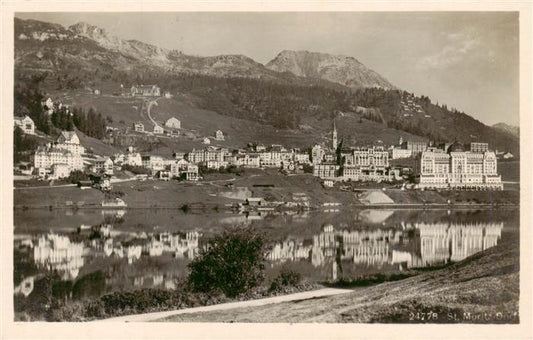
56, 252
443, 242
439, 243
116, 213
324, 245
369, 247
184, 246
288, 250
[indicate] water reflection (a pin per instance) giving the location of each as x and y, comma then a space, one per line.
58, 253
414, 245
122, 254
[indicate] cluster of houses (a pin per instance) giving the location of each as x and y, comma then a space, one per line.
351, 164
171, 123
171, 128
144, 91
410, 107
450, 165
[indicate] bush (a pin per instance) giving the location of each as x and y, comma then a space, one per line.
77, 176
286, 278
308, 169
137, 170
232, 263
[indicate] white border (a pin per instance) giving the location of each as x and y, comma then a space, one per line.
12, 330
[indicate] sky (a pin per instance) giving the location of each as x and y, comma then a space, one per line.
466, 60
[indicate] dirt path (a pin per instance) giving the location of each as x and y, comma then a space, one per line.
150, 103
224, 306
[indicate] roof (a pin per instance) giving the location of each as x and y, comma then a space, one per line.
18, 118
145, 86
68, 135
254, 199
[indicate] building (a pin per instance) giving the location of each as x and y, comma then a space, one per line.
351, 172
219, 135
216, 165
373, 163
173, 123
479, 147
26, 124
103, 165
401, 153
415, 146
326, 170
209, 153
206, 141
45, 157
317, 154
133, 159
48, 106
158, 130
154, 163
138, 126
145, 90
459, 169
68, 137
178, 155
301, 158
247, 160
184, 169
69, 140
59, 171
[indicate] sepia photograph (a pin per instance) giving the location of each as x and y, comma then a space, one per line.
255, 167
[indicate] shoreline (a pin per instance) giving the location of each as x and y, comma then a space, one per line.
399, 206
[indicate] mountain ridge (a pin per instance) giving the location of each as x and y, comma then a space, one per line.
340, 69
61, 60
122, 52
507, 128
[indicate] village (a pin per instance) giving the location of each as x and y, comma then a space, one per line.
409, 165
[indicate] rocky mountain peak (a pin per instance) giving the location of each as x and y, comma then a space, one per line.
339, 69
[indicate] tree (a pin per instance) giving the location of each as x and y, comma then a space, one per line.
232, 263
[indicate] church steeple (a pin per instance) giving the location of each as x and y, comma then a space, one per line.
335, 144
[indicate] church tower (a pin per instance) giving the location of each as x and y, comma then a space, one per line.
335, 144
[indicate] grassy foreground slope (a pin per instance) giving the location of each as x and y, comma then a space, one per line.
475, 290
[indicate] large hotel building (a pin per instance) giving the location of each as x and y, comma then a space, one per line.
456, 168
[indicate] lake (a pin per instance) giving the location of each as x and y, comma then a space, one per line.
100, 251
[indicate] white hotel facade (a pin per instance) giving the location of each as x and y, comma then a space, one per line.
459, 169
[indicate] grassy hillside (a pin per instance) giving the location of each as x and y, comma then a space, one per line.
198, 123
